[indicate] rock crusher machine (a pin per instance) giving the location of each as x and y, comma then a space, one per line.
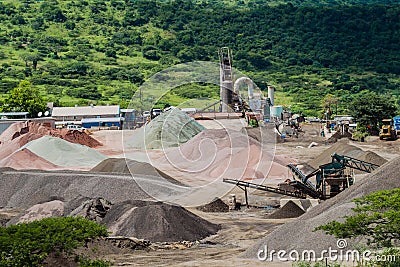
330, 179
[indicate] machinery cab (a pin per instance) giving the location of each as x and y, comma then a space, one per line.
396, 121
387, 130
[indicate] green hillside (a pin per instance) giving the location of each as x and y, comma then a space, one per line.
80, 52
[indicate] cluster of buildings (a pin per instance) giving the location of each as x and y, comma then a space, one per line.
110, 117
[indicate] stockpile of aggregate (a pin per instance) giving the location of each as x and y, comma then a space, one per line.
170, 129
343, 148
14, 154
157, 222
150, 220
128, 166
338, 135
22, 189
298, 235
92, 209
54, 208
265, 134
223, 153
28, 131
289, 210
63, 153
25, 159
217, 205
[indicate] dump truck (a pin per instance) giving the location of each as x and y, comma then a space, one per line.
387, 131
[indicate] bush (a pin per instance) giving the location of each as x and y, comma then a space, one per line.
93, 263
28, 244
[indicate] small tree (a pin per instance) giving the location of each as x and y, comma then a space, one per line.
31, 57
369, 109
24, 98
328, 102
377, 218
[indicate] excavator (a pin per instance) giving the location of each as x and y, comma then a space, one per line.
331, 179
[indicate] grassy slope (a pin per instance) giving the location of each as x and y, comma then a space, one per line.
288, 81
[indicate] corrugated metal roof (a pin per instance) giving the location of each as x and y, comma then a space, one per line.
114, 119
67, 122
85, 111
14, 113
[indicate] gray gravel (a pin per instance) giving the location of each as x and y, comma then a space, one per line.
299, 234
157, 222
22, 189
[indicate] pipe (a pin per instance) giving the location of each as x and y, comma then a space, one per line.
250, 88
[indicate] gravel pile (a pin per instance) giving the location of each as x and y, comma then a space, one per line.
13, 142
93, 209
170, 129
299, 234
157, 222
128, 166
289, 210
25, 159
343, 148
217, 205
63, 153
32, 130
338, 135
54, 208
223, 153
23, 189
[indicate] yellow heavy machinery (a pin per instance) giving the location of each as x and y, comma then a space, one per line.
387, 131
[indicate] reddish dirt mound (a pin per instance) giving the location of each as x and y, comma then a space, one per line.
25, 159
78, 137
28, 131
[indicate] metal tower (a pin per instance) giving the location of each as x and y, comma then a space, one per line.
226, 78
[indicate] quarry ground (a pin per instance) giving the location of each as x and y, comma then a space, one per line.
241, 229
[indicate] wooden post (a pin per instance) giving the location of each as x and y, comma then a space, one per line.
245, 196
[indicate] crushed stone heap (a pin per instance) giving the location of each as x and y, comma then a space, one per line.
344, 148
133, 167
217, 205
289, 210
157, 222
298, 235
170, 129
63, 153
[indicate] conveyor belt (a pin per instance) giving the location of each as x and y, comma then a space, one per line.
355, 163
264, 188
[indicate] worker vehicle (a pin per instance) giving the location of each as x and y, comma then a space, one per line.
75, 127
396, 121
155, 112
387, 130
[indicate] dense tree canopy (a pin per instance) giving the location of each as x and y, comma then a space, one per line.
370, 109
307, 49
377, 217
25, 98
